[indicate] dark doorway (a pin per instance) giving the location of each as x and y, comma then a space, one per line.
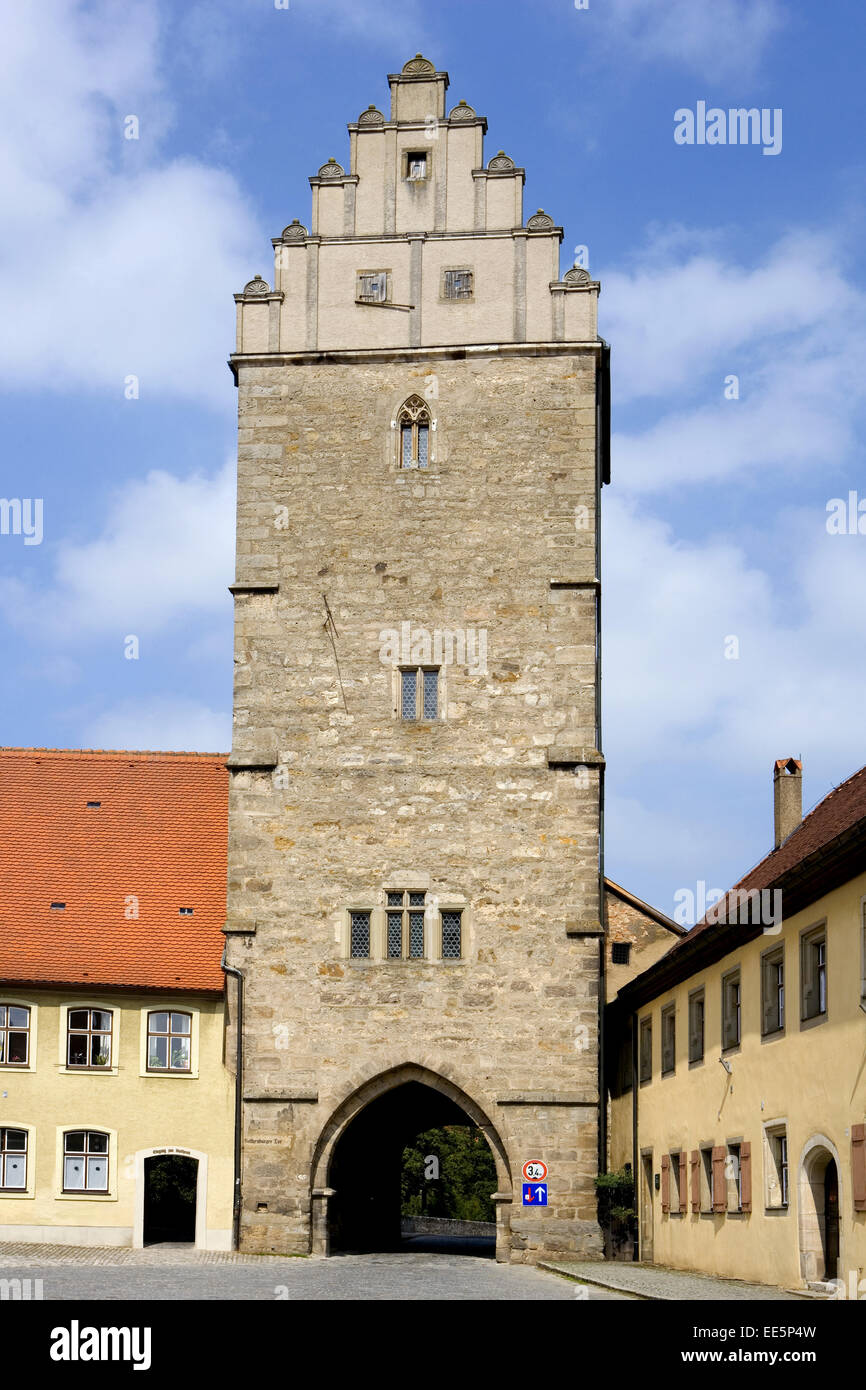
169, 1198
831, 1220
377, 1171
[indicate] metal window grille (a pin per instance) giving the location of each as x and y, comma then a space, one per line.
620, 952
360, 945
395, 935
409, 697
395, 899
431, 694
451, 935
417, 899
416, 934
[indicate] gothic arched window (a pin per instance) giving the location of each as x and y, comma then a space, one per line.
413, 422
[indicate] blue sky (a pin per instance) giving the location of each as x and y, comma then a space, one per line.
120, 257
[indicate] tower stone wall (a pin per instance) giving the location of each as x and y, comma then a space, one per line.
477, 564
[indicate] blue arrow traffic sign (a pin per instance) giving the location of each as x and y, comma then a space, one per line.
535, 1194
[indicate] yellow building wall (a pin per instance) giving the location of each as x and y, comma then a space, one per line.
811, 1078
142, 1113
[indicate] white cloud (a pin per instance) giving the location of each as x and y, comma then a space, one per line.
673, 698
161, 724
165, 551
791, 330
116, 261
716, 38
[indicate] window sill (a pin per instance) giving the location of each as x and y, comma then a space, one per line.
85, 1197
174, 1075
89, 1071
695, 1062
813, 1022
774, 1035
9, 1192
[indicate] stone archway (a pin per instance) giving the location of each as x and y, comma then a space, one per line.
818, 1196
353, 1187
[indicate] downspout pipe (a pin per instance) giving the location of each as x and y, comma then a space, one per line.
602, 476
239, 1090
638, 1252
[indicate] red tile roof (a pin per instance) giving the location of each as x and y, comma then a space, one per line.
159, 836
841, 810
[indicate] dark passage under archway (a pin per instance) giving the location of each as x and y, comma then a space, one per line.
169, 1198
368, 1165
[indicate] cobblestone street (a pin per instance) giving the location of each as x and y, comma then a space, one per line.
179, 1273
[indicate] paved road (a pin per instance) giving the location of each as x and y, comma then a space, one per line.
414, 1275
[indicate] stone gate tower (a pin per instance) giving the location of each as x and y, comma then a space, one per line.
414, 874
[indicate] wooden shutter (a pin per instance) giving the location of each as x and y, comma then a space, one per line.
666, 1182
684, 1191
745, 1176
720, 1192
696, 1180
858, 1166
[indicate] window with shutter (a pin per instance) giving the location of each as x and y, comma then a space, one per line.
776, 1166
666, 1183
707, 1178
696, 1180
372, 286
720, 1195
682, 1188
457, 284
858, 1166
733, 1178
696, 1026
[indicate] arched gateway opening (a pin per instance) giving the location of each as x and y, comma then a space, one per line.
819, 1212
366, 1173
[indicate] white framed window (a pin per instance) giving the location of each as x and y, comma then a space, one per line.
15, 1041
169, 1040
14, 1144
89, 1035
697, 1025
734, 1179
706, 1177
773, 991
85, 1161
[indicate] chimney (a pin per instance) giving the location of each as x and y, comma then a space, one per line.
787, 797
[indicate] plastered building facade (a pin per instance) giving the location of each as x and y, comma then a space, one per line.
413, 900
